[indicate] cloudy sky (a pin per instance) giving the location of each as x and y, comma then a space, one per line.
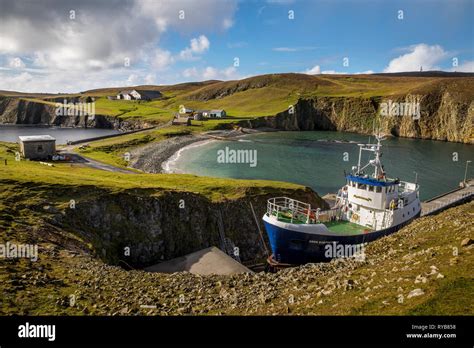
72, 45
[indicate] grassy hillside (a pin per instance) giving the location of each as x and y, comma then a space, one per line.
269, 94
32, 173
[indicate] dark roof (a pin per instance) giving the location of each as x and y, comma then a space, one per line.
149, 93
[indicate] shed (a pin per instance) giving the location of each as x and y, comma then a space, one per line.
37, 146
215, 113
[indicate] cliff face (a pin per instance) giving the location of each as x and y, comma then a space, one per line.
21, 111
441, 117
158, 228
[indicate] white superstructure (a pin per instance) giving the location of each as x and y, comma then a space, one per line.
374, 200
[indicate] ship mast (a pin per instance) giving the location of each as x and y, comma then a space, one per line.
376, 163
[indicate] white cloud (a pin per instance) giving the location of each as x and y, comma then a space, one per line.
162, 59
227, 23
99, 39
197, 45
190, 72
314, 70
16, 63
149, 79
212, 73
420, 55
467, 66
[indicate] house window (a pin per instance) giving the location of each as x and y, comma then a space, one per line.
40, 148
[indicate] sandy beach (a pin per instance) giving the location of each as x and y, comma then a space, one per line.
157, 157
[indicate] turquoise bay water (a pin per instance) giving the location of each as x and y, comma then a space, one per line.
316, 159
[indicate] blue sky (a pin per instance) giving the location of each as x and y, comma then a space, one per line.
176, 41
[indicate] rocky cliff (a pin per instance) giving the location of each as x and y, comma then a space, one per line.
27, 112
168, 225
441, 116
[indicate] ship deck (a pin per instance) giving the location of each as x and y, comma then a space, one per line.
340, 226
345, 227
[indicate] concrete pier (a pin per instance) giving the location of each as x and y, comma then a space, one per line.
448, 199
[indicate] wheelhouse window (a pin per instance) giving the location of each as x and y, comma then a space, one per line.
370, 188
378, 189
362, 186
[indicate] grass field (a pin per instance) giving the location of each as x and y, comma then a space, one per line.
37, 175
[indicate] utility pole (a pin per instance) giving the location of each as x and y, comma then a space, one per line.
465, 172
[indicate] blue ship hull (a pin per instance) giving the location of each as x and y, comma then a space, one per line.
292, 247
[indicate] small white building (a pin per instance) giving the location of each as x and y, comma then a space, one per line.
215, 113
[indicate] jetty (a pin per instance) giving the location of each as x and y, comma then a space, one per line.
449, 199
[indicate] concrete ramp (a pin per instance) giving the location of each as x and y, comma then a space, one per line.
205, 262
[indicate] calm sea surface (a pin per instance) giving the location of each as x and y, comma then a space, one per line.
317, 159
62, 135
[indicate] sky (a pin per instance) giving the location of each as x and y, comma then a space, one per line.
71, 46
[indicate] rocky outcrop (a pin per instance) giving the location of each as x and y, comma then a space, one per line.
19, 111
441, 117
172, 224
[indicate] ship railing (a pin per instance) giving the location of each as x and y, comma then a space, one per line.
285, 208
326, 215
289, 208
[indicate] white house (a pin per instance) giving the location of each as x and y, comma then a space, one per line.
135, 94
215, 113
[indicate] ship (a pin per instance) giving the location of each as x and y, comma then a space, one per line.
369, 206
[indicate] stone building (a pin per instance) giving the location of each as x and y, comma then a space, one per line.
37, 146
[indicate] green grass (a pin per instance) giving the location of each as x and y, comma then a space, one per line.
450, 299
216, 189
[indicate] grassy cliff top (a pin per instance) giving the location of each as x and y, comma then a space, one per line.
33, 175
267, 95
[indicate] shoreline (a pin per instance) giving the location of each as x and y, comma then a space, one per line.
159, 157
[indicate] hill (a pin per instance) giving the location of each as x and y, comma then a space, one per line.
335, 102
